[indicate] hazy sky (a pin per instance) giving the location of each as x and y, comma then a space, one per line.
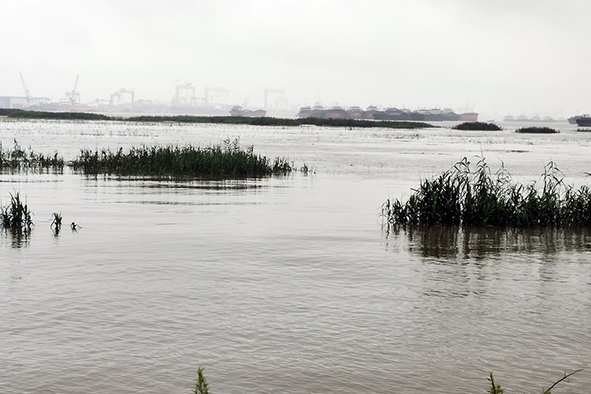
495, 56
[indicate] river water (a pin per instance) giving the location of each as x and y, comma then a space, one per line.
287, 284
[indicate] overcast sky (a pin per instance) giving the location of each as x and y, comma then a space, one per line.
496, 57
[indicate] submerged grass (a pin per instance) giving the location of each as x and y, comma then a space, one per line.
463, 196
477, 126
18, 158
225, 160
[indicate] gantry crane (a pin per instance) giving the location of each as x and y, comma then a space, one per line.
177, 99
280, 101
73, 96
120, 94
208, 90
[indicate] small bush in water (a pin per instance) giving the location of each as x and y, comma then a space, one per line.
477, 126
537, 130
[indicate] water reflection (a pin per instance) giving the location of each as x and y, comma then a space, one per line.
16, 237
443, 242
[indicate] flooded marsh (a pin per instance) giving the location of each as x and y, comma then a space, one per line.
290, 283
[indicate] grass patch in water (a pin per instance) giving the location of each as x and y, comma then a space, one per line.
227, 160
537, 130
23, 114
16, 215
464, 196
477, 126
18, 158
256, 121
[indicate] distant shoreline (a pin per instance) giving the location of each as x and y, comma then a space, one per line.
254, 121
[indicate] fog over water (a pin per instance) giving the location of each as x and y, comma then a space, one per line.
493, 57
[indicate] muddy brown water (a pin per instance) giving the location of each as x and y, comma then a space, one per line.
287, 284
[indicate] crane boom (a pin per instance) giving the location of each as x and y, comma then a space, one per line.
72, 96
27, 95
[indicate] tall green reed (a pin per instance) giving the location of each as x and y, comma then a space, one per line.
16, 215
18, 158
473, 196
223, 160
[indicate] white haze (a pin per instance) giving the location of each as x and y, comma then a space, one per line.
496, 57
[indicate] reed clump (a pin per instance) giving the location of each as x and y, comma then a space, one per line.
18, 158
477, 126
537, 130
16, 215
467, 196
224, 160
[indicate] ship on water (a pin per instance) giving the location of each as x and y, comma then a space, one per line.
523, 118
574, 119
583, 120
372, 112
237, 110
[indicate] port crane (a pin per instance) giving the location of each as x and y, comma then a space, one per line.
208, 90
119, 96
280, 101
27, 95
73, 96
178, 99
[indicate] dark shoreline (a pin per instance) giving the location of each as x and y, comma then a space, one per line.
259, 121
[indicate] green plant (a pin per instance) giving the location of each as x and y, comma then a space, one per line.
226, 160
469, 196
16, 215
201, 386
497, 389
18, 158
56, 221
494, 388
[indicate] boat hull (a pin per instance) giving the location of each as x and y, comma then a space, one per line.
584, 121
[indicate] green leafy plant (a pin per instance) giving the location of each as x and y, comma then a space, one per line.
16, 215
468, 196
18, 158
226, 160
494, 388
201, 386
56, 221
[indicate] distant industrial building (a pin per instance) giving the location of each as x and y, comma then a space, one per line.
22, 102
